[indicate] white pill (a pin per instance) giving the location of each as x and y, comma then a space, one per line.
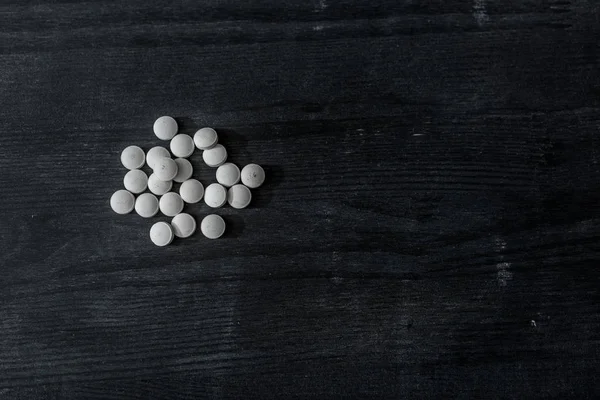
161, 234
156, 153
170, 204
182, 145
206, 138
122, 201
253, 175
165, 169
215, 195
212, 226
184, 170
165, 128
228, 174
215, 156
184, 225
136, 181
239, 196
157, 186
191, 191
132, 157
146, 205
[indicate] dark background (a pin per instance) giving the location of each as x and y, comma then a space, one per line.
429, 227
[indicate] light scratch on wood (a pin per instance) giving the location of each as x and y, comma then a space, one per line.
321, 5
503, 274
480, 13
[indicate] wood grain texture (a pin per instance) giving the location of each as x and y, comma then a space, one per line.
429, 227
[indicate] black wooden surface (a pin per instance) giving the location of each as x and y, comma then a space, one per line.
429, 228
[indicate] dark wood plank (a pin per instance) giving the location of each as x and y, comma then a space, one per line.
429, 227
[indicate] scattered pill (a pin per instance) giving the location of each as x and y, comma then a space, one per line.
165, 128
191, 191
206, 138
156, 153
157, 186
136, 181
182, 145
132, 157
170, 204
215, 157
184, 170
253, 175
161, 234
239, 196
215, 195
184, 225
212, 226
122, 201
165, 169
228, 174
146, 205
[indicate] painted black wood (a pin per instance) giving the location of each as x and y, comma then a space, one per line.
429, 228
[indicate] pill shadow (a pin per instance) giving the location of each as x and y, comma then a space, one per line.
234, 226
262, 196
236, 145
187, 125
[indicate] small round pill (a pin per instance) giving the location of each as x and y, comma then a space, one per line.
253, 175
206, 138
161, 234
184, 170
216, 156
182, 145
157, 186
136, 181
165, 169
215, 195
170, 204
122, 201
184, 225
228, 174
239, 196
146, 205
132, 157
156, 153
165, 128
191, 191
212, 226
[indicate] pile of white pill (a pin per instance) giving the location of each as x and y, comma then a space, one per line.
166, 170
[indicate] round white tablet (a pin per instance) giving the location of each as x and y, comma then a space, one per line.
215, 195
191, 191
184, 225
165, 128
215, 156
122, 201
212, 226
184, 170
165, 169
132, 157
206, 138
136, 181
253, 175
228, 174
157, 186
170, 204
182, 145
146, 205
161, 234
239, 196
156, 153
